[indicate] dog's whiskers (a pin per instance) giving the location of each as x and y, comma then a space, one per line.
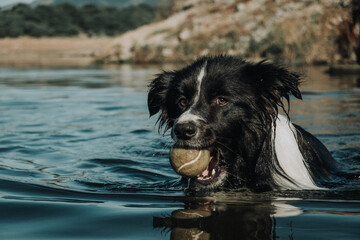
223, 145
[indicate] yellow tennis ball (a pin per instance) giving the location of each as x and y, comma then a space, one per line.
190, 213
189, 162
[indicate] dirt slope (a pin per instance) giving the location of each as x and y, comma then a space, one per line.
291, 31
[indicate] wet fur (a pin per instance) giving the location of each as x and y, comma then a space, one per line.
245, 129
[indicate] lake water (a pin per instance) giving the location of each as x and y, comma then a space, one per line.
80, 159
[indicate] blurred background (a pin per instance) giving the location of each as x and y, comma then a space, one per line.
86, 32
79, 156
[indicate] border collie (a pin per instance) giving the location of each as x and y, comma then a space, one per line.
231, 107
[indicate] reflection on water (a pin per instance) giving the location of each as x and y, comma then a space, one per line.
219, 222
261, 220
244, 215
80, 158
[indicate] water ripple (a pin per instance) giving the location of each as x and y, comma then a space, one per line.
80, 159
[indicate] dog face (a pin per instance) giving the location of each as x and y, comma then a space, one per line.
226, 105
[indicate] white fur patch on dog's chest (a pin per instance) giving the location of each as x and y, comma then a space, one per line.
290, 161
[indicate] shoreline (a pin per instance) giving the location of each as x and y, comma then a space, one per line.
82, 51
51, 52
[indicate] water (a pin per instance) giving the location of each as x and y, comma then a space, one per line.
80, 159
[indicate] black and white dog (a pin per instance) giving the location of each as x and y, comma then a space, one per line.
231, 107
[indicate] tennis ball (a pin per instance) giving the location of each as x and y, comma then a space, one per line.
190, 213
189, 162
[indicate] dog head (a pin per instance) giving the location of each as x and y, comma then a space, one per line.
226, 105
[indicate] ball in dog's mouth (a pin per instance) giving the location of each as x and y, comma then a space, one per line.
200, 163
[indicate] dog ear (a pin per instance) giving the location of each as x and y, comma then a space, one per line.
157, 96
273, 83
277, 81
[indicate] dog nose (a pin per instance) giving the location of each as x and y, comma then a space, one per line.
185, 131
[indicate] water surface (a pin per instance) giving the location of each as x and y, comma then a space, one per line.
80, 159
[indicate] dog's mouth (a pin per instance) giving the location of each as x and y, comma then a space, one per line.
213, 170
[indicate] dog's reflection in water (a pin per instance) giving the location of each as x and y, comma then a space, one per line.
228, 221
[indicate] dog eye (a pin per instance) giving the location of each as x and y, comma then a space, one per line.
221, 101
183, 102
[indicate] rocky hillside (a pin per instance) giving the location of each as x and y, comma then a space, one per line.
288, 31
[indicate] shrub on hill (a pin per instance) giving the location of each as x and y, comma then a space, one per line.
67, 20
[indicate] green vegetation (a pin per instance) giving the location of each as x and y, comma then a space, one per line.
67, 20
